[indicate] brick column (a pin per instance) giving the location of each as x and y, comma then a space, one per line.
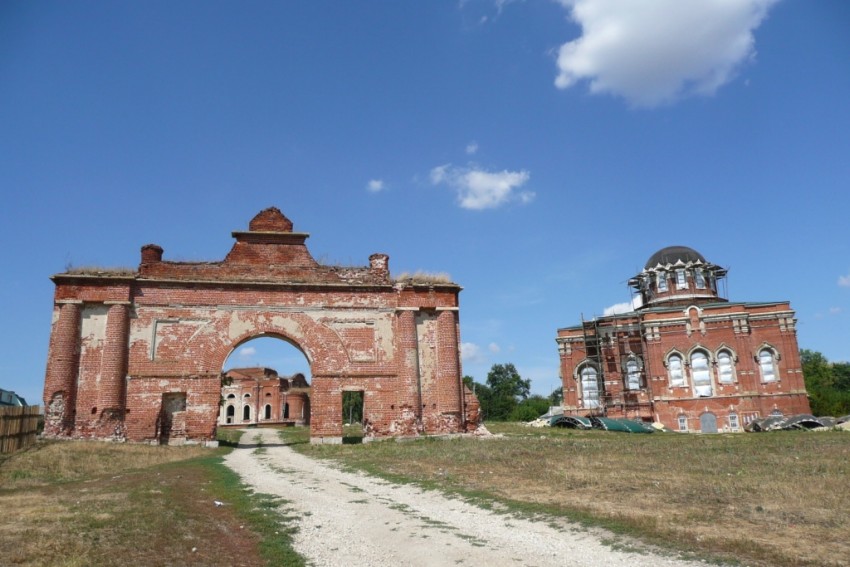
408, 367
111, 397
63, 365
449, 394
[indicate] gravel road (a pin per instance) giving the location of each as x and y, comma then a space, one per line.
355, 519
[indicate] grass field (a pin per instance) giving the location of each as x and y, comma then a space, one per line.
778, 498
78, 503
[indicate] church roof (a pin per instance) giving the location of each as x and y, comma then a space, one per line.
673, 254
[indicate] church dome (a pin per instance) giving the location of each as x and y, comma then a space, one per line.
673, 254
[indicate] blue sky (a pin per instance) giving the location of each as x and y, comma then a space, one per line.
538, 152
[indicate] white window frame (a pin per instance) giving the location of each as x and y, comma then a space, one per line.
734, 424
699, 278
661, 281
704, 388
683, 422
589, 402
768, 368
722, 354
632, 374
681, 279
676, 376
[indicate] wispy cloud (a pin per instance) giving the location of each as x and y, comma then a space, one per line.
844, 281
655, 51
479, 189
375, 185
472, 148
471, 352
494, 348
247, 352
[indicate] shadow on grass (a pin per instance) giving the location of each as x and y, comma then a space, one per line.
353, 440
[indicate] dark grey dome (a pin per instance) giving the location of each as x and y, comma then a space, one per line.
673, 254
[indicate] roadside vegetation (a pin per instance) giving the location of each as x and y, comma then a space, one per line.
827, 383
777, 499
85, 503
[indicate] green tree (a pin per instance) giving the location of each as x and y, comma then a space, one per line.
507, 389
827, 383
352, 407
557, 396
530, 409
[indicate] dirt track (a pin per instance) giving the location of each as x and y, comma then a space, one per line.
354, 519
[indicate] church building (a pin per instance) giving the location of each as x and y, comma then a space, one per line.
686, 357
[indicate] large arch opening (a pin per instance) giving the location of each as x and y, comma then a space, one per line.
266, 380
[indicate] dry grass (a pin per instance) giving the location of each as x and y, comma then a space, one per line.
420, 277
51, 462
76, 503
766, 499
100, 271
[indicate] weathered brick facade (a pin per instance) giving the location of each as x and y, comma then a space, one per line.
138, 355
260, 396
686, 357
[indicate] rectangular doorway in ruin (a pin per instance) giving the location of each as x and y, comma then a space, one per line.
171, 427
352, 416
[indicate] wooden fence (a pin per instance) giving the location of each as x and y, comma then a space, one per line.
18, 427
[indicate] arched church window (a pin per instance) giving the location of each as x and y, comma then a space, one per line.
767, 364
632, 374
700, 374
675, 371
589, 387
725, 367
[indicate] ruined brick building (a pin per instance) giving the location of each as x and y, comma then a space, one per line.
260, 396
687, 357
138, 354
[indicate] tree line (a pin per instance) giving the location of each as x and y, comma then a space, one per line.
827, 383
507, 397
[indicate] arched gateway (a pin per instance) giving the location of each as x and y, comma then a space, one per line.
138, 355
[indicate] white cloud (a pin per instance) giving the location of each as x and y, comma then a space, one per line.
375, 185
844, 281
655, 51
479, 189
834, 310
624, 307
472, 148
247, 352
470, 352
494, 348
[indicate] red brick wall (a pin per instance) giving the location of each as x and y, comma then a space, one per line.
168, 330
742, 328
